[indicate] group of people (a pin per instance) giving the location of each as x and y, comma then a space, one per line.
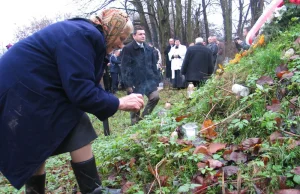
193, 64
49, 80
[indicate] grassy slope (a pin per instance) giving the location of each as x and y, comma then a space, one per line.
129, 152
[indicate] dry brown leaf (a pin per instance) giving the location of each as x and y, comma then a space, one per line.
201, 165
274, 136
296, 170
238, 157
132, 162
186, 149
214, 163
163, 180
288, 191
127, 186
265, 80
215, 147
163, 139
275, 107
230, 170
282, 182
151, 170
202, 150
226, 154
293, 143
209, 127
281, 68
180, 118
251, 142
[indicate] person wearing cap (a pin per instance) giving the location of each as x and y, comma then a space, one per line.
47, 83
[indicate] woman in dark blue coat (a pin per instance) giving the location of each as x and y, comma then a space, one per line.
47, 83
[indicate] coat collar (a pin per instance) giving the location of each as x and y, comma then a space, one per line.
136, 46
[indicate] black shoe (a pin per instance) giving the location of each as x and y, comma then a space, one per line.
36, 184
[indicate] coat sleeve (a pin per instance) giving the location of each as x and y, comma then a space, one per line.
185, 62
126, 67
75, 57
210, 63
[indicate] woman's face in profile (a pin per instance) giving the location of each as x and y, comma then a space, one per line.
118, 42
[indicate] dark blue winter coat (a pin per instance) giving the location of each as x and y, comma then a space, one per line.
47, 81
139, 69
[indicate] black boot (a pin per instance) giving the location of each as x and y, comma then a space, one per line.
36, 184
88, 179
86, 175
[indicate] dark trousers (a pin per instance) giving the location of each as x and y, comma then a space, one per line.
107, 81
153, 99
114, 82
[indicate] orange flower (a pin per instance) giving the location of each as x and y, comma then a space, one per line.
261, 40
245, 53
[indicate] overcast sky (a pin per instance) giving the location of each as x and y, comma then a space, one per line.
14, 13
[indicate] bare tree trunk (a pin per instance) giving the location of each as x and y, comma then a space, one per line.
189, 34
164, 22
205, 20
139, 7
178, 24
240, 21
197, 31
256, 10
226, 6
173, 15
153, 22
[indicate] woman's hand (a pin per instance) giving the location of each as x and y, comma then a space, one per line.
133, 102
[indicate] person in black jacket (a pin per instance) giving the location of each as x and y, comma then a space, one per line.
139, 71
168, 61
114, 70
212, 45
197, 65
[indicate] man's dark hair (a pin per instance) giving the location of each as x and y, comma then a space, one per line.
136, 28
248, 28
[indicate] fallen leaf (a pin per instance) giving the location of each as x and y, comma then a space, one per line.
230, 170
238, 157
201, 165
265, 160
296, 170
293, 143
186, 149
132, 162
251, 142
215, 147
282, 182
256, 149
281, 73
274, 136
163, 180
287, 75
201, 150
163, 139
275, 107
265, 80
295, 57
288, 191
281, 68
151, 170
278, 121
214, 163
226, 154
127, 186
208, 128
184, 142
293, 102
180, 118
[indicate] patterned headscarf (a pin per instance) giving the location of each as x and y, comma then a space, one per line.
115, 20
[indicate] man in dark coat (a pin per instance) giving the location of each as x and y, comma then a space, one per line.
139, 71
47, 83
198, 63
168, 62
212, 45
